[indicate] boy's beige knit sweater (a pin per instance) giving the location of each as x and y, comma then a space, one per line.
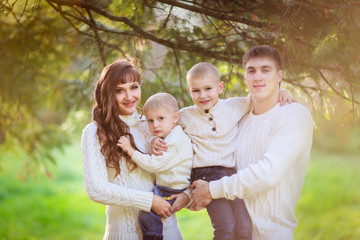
213, 133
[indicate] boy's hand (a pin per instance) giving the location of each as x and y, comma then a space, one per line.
181, 201
125, 145
158, 146
284, 97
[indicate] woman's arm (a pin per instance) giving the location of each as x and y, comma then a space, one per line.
98, 187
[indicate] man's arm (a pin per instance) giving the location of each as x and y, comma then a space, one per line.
292, 135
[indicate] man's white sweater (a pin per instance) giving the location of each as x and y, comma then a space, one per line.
213, 132
272, 154
173, 168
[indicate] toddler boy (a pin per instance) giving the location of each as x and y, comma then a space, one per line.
172, 169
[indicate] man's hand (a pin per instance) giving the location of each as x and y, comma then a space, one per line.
201, 194
125, 145
181, 201
161, 207
158, 146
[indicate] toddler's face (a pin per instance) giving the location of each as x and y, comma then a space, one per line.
161, 121
205, 91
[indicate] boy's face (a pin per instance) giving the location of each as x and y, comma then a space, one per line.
161, 121
205, 91
262, 79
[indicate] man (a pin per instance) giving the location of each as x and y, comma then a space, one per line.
272, 155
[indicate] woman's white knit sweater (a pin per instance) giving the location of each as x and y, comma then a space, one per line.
126, 193
213, 132
272, 154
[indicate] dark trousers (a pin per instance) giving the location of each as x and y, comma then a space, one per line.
150, 222
229, 218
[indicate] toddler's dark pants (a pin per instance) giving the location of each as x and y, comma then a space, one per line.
150, 222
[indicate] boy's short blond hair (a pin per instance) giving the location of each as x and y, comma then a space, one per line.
202, 69
161, 101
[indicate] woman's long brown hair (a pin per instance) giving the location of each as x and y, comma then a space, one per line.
106, 112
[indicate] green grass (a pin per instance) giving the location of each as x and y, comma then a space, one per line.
329, 207
49, 209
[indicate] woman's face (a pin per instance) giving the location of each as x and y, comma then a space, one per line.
128, 96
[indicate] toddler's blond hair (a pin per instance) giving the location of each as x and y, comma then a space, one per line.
161, 101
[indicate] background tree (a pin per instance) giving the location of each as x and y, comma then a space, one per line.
54, 50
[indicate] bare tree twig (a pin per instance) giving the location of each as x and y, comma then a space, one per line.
180, 78
331, 6
98, 40
166, 20
216, 14
228, 81
332, 88
147, 35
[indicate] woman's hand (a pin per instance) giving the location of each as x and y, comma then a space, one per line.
158, 146
161, 207
182, 200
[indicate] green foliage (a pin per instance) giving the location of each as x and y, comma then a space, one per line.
36, 98
340, 131
53, 51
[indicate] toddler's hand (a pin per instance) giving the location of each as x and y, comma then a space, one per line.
125, 145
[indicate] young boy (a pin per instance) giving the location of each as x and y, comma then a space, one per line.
212, 125
173, 168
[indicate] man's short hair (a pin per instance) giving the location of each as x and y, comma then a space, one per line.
202, 69
161, 101
263, 51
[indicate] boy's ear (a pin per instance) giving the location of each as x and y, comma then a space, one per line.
176, 117
221, 87
189, 90
280, 75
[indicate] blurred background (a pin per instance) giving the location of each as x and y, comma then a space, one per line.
53, 51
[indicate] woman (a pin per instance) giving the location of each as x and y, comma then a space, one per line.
111, 177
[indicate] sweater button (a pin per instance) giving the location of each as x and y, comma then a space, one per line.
206, 111
214, 129
210, 119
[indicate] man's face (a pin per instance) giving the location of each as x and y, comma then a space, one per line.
262, 79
